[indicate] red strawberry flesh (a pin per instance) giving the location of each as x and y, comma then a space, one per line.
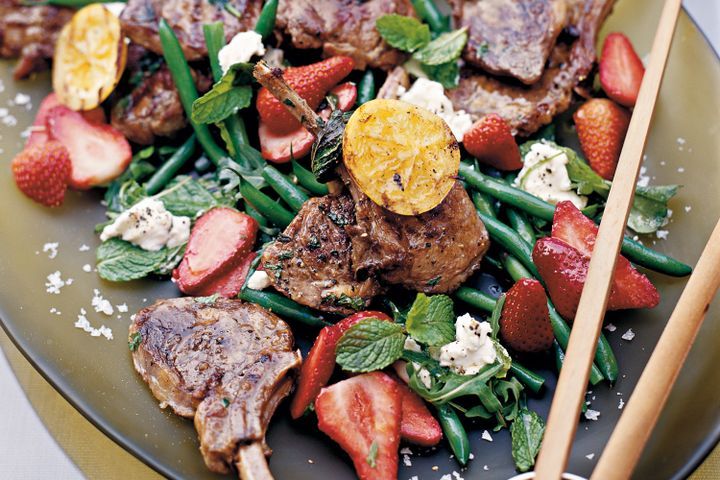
418, 425
41, 171
621, 70
525, 320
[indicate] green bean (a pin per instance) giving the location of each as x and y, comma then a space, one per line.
476, 298
454, 432
167, 171
604, 356
510, 241
527, 377
595, 375
234, 124
483, 204
521, 225
180, 72
428, 11
290, 193
283, 307
266, 21
250, 210
536, 207
265, 205
366, 88
307, 180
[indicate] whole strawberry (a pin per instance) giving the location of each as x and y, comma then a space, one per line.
42, 171
525, 320
601, 127
490, 140
311, 82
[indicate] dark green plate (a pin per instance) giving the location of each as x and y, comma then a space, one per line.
97, 377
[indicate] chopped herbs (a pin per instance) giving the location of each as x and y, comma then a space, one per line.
434, 281
134, 341
210, 300
286, 256
225, 402
274, 268
313, 243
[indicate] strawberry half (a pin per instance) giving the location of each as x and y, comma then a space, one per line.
601, 127
99, 153
319, 365
283, 147
621, 70
490, 140
525, 320
39, 131
219, 241
360, 412
418, 425
42, 171
230, 283
311, 82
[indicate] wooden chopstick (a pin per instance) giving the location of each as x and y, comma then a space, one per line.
570, 392
648, 399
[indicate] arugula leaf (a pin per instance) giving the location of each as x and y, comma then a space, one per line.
526, 433
370, 345
327, 150
227, 96
649, 211
121, 261
431, 320
187, 197
445, 48
495, 317
452, 385
447, 74
404, 33
585, 179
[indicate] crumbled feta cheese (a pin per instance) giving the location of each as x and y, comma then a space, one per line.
83, 248
87, 268
52, 248
662, 234
241, 49
486, 436
591, 414
149, 225
610, 327
259, 280
55, 283
590, 456
629, 335
471, 350
544, 174
100, 304
422, 373
621, 404
431, 96
122, 308
457, 476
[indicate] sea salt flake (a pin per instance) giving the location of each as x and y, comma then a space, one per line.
688, 208
457, 476
629, 335
100, 304
486, 436
21, 99
51, 248
87, 268
610, 327
681, 169
486, 468
621, 404
643, 178
590, 456
406, 461
591, 414
471, 456
122, 308
83, 248
55, 283
662, 234
405, 451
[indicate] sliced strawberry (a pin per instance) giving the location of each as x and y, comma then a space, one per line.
418, 425
283, 147
99, 153
571, 226
490, 140
621, 70
601, 127
311, 82
564, 270
219, 241
229, 284
361, 412
319, 365
42, 171
40, 133
525, 320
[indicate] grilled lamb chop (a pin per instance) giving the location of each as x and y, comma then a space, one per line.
342, 27
511, 37
226, 363
311, 262
186, 17
433, 252
30, 33
527, 108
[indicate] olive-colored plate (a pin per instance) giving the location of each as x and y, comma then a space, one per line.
97, 377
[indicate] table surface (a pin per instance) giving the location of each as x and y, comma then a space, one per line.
43, 436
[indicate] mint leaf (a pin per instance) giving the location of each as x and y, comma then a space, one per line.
187, 197
326, 152
649, 211
404, 33
447, 74
431, 320
526, 433
370, 345
445, 48
121, 261
227, 96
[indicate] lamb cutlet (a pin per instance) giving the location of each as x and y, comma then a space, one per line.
224, 362
511, 37
342, 27
311, 262
186, 17
30, 33
527, 108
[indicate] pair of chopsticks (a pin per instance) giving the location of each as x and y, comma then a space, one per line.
628, 440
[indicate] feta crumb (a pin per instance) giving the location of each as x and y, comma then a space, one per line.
241, 49
662, 234
629, 335
435, 468
680, 141
122, 308
259, 280
472, 349
87, 268
55, 283
590, 456
486, 436
406, 461
610, 327
100, 304
591, 414
621, 404
414, 477
310, 461
446, 477
431, 96
83, 248
21, 99
51, 247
